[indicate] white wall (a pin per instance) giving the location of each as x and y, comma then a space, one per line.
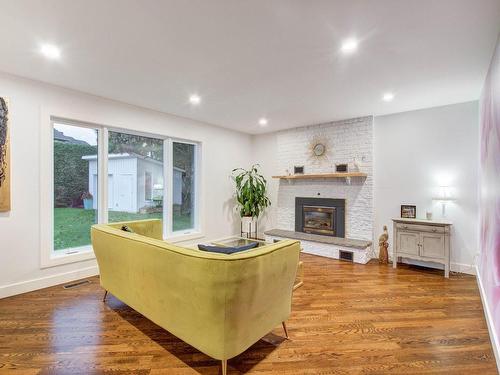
265, 153
222, 150
416, 152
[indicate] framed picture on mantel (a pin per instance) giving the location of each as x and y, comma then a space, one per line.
408, 211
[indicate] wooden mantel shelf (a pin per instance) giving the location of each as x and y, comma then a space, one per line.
322, 175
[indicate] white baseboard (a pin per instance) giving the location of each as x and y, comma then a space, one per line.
495, 340
44, 282
463, 268
469, 269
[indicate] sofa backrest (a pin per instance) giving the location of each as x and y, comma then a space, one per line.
220, 304
152, 228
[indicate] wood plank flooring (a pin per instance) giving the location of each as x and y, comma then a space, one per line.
347, 319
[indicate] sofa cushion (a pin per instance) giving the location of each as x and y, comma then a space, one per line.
227, 250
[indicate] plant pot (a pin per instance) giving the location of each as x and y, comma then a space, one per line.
249, 227
88, 204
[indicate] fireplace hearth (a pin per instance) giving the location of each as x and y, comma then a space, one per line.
324, 216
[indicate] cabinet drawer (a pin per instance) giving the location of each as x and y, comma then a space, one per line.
432, 245
420, 228
408, 243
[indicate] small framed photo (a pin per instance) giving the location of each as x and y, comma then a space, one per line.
408, 211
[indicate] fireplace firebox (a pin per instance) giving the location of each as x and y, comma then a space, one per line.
319, 220
322, 216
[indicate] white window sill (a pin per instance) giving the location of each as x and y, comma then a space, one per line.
66, 256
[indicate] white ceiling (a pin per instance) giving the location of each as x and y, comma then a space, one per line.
247, 59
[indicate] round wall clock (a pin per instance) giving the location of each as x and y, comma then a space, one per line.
319, 149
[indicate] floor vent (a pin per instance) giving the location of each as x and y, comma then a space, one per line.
346, 255
75, 284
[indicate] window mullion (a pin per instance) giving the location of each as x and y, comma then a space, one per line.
197, 185
103, 176
168, 188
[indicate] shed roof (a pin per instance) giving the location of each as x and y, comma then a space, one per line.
126, 155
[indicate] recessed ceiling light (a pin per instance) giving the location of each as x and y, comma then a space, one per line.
50, 51
349, 45
388, 97
194, 99
263, 121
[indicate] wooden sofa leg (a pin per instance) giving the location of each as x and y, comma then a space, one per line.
105, 295
224, 366
284, 329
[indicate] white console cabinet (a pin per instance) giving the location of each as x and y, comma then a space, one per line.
423, 240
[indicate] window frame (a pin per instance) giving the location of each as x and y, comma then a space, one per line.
196, 231
49, 256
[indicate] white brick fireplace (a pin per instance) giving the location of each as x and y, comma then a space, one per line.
347, 141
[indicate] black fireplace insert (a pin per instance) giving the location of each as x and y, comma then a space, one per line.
325, 216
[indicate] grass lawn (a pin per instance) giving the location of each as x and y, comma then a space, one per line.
72, 225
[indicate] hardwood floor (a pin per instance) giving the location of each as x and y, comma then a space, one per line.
347, 319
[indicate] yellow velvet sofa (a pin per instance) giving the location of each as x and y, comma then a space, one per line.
220, 304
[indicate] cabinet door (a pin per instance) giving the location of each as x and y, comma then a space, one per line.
408, 242
432, 245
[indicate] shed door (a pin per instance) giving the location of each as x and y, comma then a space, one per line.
125, 191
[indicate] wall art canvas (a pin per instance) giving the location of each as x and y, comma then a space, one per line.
4, 156
489, 264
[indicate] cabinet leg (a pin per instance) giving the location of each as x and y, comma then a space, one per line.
394, 261
447, 270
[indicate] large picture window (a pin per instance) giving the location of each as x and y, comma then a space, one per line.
145, 177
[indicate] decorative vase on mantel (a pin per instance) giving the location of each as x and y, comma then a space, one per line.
248, 227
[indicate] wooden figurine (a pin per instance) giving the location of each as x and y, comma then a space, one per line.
383, 255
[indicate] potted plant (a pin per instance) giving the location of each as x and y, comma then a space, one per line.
87, 200
251, 195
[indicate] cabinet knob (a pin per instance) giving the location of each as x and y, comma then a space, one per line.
434, 229
405, 226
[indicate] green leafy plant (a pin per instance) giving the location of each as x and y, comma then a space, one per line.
71, 177
251, 193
